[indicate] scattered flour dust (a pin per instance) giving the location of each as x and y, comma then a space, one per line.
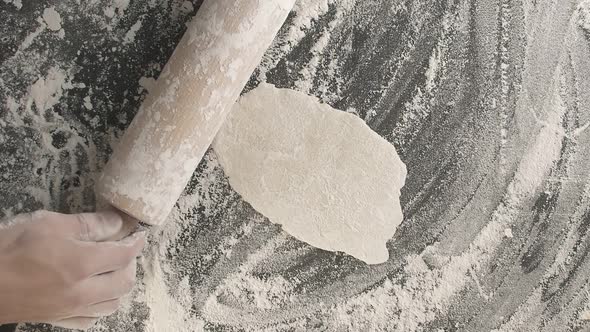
244, 287
88, 103
408, 303
169, 311
147, 83
47, 91
319, 49
426, 291
117, 7
130, 35
42, 95
30, 38
306, 12
16, 3
265, 294
418, 109
52, 19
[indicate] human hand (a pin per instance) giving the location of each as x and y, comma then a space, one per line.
66, 270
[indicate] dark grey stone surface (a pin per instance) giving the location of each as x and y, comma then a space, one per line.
486, 101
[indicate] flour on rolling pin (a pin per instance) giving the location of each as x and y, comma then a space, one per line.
177, 122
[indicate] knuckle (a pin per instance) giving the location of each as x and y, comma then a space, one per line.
29, 237
68, 279
36, 236
36, 224
39, 214
83, 270
127, 255
79, 273
22, 218
77, 299
73, 271
84, 226
43, 214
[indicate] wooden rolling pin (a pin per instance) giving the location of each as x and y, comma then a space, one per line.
179, 118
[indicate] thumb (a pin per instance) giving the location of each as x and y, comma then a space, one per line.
104, 226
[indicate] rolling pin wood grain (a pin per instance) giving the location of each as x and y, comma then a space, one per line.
181, 115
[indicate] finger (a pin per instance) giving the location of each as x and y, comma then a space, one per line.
79, 323
99, 226
101, 309
130, 225
110, 286
103, 257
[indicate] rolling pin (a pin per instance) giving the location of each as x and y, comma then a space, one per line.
177, 122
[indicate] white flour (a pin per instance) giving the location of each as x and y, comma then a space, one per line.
47, 91
264, 280
130, 35
52, 19
17, 3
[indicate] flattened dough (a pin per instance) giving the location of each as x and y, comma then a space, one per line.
322, 174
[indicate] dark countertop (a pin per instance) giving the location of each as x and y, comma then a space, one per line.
486, 101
